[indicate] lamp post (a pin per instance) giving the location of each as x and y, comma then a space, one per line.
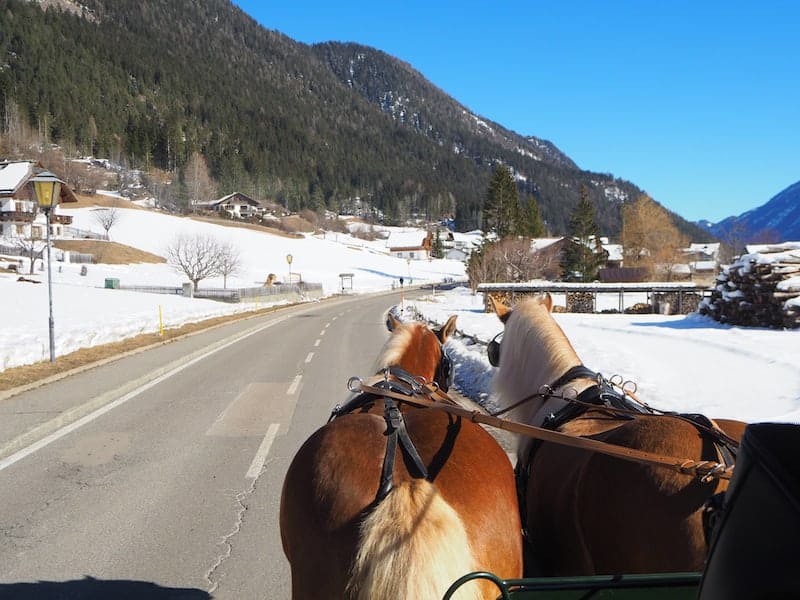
289, 259
47, 188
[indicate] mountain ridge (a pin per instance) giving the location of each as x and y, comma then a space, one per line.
776, 220
274, 117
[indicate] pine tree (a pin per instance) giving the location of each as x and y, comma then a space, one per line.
531, 224
438, 248
579, 259
501, 208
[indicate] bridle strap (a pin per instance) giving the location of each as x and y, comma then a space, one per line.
572, 374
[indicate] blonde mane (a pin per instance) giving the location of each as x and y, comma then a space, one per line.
534, 352
396, 346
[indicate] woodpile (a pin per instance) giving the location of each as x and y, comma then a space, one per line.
580, 302
640, 308
676, 303
761, 289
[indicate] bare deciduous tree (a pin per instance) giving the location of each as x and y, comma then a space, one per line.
199, 184
229, 262
510, 259
196, 256
33, 248
107, 217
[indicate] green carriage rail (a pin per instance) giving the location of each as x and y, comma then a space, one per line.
666, 586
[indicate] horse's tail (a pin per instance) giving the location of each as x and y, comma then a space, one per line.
413, 545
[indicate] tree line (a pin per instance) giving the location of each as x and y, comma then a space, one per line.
652, 243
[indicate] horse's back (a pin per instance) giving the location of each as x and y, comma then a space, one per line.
614, 516
331, 487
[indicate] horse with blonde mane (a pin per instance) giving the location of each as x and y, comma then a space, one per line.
584, 512
364, 516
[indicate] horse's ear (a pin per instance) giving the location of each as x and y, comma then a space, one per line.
391, 322
501, 310
447, 329
547, 300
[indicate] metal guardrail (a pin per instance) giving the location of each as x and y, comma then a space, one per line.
686, 294
85, 234
234, 295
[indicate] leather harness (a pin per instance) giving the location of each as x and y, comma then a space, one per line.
396, 384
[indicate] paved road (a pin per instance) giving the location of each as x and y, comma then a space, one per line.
159, 475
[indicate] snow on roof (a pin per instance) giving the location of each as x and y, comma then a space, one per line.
542, 243
245, 197
14, 174
472, 238
710, 248
406, 239
614, 251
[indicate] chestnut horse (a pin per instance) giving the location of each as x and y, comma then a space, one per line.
588, 513
357, 525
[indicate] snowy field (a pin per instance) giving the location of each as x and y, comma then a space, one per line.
688, 363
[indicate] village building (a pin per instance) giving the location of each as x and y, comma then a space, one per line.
411, 245
20, 217
236, 205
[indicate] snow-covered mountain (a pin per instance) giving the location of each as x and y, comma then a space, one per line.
777, 220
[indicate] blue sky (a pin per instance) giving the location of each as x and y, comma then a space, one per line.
696, 102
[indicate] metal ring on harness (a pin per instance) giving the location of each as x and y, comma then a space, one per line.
354, 384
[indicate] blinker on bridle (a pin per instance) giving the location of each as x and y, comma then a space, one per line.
493, 351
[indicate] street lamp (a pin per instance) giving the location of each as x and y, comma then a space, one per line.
48, 190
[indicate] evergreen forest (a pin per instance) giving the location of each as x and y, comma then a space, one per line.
150, 83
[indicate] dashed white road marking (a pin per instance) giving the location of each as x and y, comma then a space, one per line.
309, 357
316, 344
294, 385
261, 455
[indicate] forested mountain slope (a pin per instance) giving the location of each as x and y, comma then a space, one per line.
151, 82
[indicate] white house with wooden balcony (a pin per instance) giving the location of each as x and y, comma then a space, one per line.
20, 217
237, 205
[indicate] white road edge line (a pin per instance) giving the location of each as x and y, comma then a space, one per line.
106, 407
261, 456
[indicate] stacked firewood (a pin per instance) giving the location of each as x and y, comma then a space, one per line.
761, 289
676, 303
580, 302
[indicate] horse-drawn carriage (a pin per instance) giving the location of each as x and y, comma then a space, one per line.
404, 495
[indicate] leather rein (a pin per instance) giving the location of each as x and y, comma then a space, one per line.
425, 394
